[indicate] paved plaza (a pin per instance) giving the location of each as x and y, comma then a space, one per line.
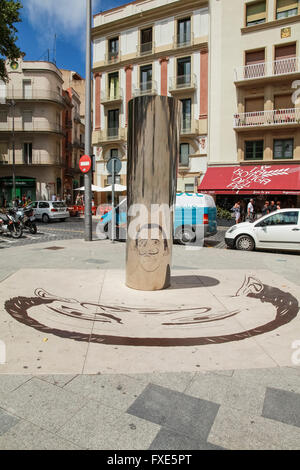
210, 363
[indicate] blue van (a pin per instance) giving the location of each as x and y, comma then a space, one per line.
195, 215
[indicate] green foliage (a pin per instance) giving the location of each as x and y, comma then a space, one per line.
9, 14
223, 214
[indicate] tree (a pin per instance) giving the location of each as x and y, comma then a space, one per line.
9, 14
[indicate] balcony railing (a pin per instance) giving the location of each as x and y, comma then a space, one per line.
77, 118
33, 94
37, 158
21, 126
112, 57
111, 96
146, 48
111, 134
146, 88
276, 117
182, 82
183, 40
268, 69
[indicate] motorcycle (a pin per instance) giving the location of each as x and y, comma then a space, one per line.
26, 218
10, 225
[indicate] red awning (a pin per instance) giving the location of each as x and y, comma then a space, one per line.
258, 179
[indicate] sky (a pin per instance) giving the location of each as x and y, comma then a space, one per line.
42, 19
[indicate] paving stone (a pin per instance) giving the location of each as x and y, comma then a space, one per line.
175, 410
59, 380
234, 429
283, 406
8, 382
170, 440
42, 404
178, 381
7, 421
116, 391
286, 378
27, 436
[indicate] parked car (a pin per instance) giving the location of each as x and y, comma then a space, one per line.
279, 230
50, 210
192, 211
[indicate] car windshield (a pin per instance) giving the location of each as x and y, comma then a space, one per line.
58, 205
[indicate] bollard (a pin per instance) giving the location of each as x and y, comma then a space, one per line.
153, 150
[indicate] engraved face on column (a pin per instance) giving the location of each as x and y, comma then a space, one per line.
151, 244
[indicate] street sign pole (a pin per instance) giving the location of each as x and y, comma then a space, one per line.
113, 203
88, 175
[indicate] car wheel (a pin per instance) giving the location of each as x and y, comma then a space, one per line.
245, 243
45, 218
185, 235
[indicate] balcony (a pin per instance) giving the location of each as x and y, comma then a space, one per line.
146, 48
37, 158
111, 97
268, 119
189, 127
112, 58
77, 118
34, 94
183, 40
109, 135
276, 69
146, 88
183, 83
20, 126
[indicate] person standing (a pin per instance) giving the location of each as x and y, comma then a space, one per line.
272, 207
237, 212
265, 209
250, 210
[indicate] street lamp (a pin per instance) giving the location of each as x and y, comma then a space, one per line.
13, 104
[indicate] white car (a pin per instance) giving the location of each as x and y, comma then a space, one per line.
279, 230
50, 210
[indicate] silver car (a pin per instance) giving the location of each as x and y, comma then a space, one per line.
50, 210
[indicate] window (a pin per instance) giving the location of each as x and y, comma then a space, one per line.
184, 32
113, 49
146, 40
286, 8
255, 64
285, 59
114, 153
117, 179
27, 89
189, 188
283, 218
146, 78
254, 150
113, 123
113, 85
186, 115
44, 205
184, 71
3, 152
283, 148
184, 154
256, 13
27, 153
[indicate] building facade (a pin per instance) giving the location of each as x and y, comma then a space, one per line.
154, 47
31, 106
254, 96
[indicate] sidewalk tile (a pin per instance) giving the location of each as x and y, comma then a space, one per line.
282, 406
237, 430
175, 410
177, 381
170, 440
7, 421
9, 382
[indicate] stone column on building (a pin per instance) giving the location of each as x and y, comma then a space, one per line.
164, 75
128, 70
97, 78
203, 84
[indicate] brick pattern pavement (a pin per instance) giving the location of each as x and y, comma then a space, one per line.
241, 409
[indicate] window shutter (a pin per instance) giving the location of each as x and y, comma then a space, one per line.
284, 5
256, 12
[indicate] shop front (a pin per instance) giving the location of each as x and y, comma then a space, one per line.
24, 186
229, 184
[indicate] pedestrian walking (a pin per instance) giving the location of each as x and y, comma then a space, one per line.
237, 212
250, 210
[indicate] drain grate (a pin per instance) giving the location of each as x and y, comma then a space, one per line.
54, 248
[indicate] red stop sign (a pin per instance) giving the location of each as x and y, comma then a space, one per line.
85, 163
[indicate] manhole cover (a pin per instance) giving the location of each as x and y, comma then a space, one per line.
54, 248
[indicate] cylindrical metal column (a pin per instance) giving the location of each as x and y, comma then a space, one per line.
153, 149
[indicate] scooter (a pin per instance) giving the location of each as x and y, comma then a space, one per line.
26, 218
10, 225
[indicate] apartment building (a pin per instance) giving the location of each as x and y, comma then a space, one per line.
151, 47
254, 96
31, 106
